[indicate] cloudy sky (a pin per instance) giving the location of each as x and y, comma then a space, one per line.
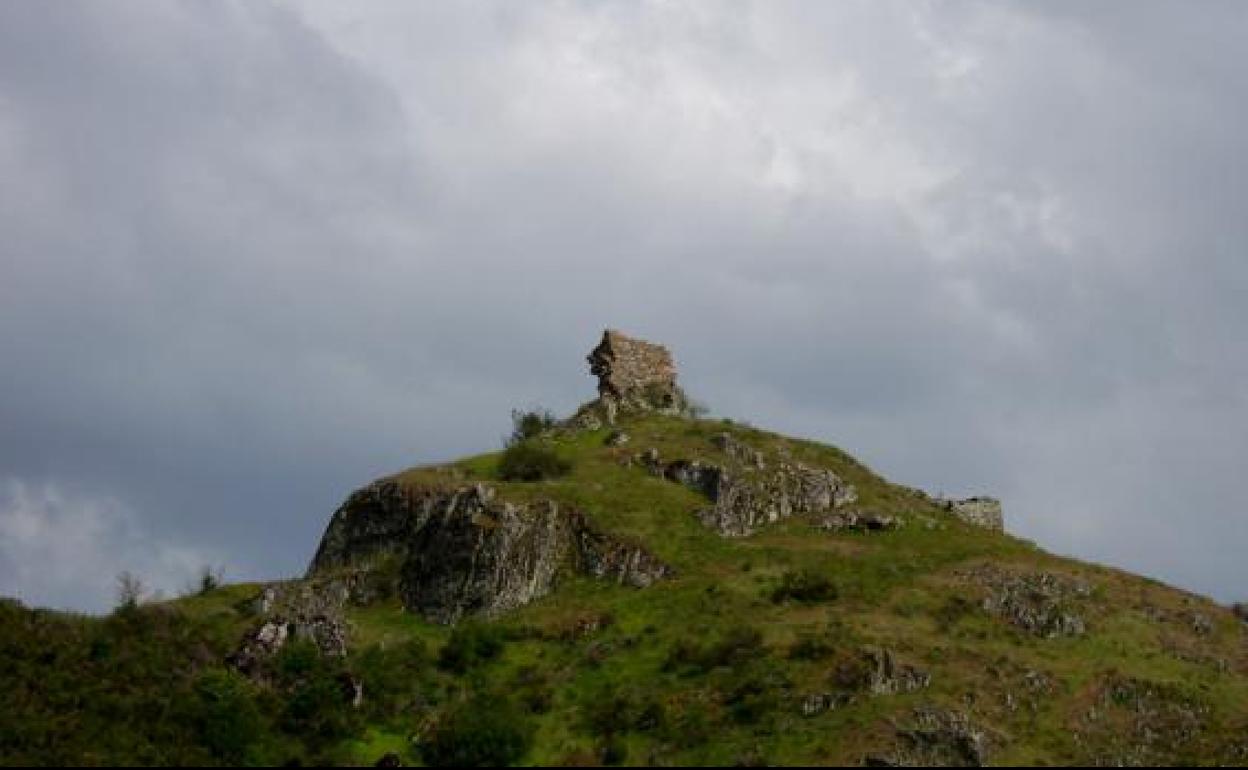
253, 255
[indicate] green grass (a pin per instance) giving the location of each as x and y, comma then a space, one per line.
652, 682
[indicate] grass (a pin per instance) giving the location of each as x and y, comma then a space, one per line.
709, 651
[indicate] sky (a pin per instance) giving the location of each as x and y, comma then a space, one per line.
256, 254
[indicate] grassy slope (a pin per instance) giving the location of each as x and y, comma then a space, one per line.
584, 692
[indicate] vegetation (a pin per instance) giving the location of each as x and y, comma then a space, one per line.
530, 424
716, 666
529, 461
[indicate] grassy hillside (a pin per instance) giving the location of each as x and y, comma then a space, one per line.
937, 643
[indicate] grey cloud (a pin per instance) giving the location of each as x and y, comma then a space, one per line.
257, 255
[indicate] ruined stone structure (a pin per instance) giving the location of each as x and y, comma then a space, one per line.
633, 373
980, 511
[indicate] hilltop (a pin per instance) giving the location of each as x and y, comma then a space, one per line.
638, 584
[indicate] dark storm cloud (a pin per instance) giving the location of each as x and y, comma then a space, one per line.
254, 256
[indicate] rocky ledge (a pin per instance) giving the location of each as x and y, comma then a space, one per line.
460, 551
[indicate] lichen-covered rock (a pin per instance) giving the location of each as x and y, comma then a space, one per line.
746, 498
980, 511
459, 551
1040, 603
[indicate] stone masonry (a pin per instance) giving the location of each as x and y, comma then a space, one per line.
634, 373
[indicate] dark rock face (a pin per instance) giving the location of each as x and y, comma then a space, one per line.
461, 552
751, 494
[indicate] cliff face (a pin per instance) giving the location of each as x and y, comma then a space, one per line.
460, 550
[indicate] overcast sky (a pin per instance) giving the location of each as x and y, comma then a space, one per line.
254, 255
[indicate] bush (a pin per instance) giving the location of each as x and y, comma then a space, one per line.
806, 586
484, 732
470, 645
527, 461
530, 424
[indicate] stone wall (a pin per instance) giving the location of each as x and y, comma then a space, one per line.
633, 372
980, 511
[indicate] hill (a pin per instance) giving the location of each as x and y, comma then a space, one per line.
638, 585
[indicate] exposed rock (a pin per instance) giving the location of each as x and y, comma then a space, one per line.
634, 374
295, 610
460, 551
618, 438
739, 451
888, 677
938, 738
1136, 722
980, 511
1041, 603
817, 703
858, 521
745, 499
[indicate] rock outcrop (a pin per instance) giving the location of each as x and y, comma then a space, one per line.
460, 551
1041, 603
938, 737
751, 492
288, 611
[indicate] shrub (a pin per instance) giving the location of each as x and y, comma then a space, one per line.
739, 645
527, 461
209, 579
130, 591
470, 645
806, 586
225, 715
609, 711
484, 732
530, 424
